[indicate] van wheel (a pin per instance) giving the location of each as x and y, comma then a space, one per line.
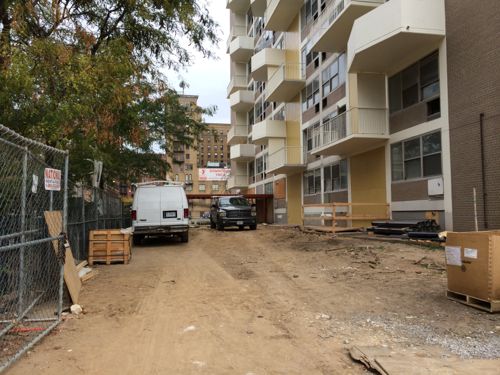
212, 224
137, 239
219, 226
185, 237
253, 227
241, 227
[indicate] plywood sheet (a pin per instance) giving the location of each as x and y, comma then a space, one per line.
71, 278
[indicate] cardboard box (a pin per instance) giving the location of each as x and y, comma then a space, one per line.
473, 267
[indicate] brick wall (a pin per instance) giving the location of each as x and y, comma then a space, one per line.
474, 88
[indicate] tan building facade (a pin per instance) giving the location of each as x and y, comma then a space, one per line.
349, 101
187, 162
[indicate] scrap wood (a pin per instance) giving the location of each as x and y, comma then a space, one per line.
81, 265
386, 362
54, 224
93, 273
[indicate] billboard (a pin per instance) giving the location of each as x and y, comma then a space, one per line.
213, 174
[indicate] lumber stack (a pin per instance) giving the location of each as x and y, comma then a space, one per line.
109, 246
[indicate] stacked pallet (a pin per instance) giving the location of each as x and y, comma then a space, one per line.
109, 246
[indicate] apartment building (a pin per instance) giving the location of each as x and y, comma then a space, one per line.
349, 101
189, 164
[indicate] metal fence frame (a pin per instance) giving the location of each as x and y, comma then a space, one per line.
31, 282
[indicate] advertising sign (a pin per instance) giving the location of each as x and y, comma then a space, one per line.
213, 174
52, 179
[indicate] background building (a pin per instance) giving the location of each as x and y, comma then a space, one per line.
349, 101
188, 162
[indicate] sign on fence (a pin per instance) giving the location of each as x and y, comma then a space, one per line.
52, 179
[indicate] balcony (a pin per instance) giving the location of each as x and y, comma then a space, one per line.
258, 7
287, 160
243, 153
354, 131
241, 48
267, 129
262, 60
285, 83
241, 100
280, 13
237, 134
234, 32
237, 182
238, 82
396, 32
331, 30
238, 6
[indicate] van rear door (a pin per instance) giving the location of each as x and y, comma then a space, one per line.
148, 201
172, 208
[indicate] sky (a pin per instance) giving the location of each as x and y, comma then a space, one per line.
208, 78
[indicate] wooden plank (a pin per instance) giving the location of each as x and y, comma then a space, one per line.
81, 265
73, 282
90, 275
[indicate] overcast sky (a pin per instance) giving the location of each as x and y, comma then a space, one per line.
209, 78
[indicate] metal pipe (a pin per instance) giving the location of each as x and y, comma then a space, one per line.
29, 243
23, 234
483, 170
21, 315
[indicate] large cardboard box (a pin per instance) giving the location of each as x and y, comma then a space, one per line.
473, 266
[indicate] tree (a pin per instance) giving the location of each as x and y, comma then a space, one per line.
85, 75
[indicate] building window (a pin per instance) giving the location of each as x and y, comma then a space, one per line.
189, 187
312, 182
189, 167
312, 137
334, 75
309, 12
215, 187
201, 187
176, 177
417, 157
335, 177
310, 95
417, 83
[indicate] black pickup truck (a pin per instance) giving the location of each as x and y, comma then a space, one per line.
235, 211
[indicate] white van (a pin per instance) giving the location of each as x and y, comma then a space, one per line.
160, 208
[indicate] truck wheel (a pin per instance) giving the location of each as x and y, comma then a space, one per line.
241, 227
253, 227
185, 237
212, 224
137, 239
219, 226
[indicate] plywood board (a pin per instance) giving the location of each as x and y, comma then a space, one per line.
71, 278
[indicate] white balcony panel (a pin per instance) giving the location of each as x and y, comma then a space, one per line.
241, 49
258, 7
395, 32
285, 83
352, 132
237, 182
331, 30
287, 160
238, 6
241, 100
267, 129
281, 13
238, 82
237, 134
264, 59
243, 152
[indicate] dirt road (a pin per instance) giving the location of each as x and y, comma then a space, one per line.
275, 301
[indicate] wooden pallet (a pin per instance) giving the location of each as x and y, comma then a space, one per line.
109, 246
489, 306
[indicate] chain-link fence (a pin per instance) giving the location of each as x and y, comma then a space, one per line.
32, 180
90, 209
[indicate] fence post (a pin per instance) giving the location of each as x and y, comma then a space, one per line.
64, 230
84, 222
23, 234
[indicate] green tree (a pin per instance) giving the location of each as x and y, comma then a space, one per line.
85, 75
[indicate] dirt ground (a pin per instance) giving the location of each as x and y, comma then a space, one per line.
274, 301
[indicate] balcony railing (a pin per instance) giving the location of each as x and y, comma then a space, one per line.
235, 32
286, 159
364, 122
237, 181
286, 82
237, 82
